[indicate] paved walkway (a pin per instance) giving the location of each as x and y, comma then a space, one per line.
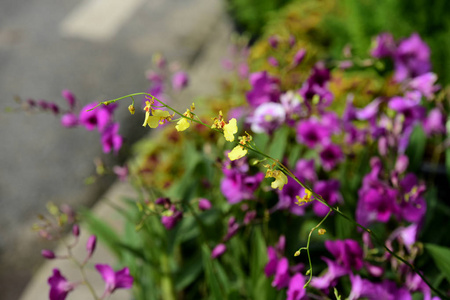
202, 43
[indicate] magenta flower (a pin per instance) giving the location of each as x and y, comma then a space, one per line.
329, 190
180, 80
218, 250
425, 84
110, 139
70, 98
204, 204
311, 133
48, 254
59, 286
114, 280
281, 279
384, 46
298, 57
347, 253
330, 156
412, 58
295, 290
90, 245
69, 120
264, 89
97, 118
170, 221
434, 122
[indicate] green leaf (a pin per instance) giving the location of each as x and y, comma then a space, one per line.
103, 231
441, 257
416, 148
279, 142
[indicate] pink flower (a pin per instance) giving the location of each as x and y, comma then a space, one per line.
114, 280
59, 286
218, 250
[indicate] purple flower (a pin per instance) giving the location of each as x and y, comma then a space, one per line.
376, 203
59, 286
249, 217
311, 133
218, 250
305, 170
298, 57
287, 198
90, 245
412, 58
264, 89
384, 46
292, 106
111, 140
267, 117
180, 80
316, 85
48, 254
273, 41
424, 84
281, 279
330, 156
329, 279
413, 206
69, 120
347, 253
296, 291
173, 218
329, 190
68, 95
273, 61
237, 186
114, 280
121, 172
97, 118
204, 204
434, 122
233, 228
271, 266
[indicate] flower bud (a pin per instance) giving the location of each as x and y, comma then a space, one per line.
48, 254
76, 230
90, 245
204, 204
68, 95
218, 250
321, 231
131, 109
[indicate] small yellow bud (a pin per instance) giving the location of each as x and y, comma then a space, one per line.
297, 253
131, 109
321, 231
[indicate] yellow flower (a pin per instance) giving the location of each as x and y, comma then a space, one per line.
237, 152
280, 179
230, 129
305, 199
182, 124
158, 117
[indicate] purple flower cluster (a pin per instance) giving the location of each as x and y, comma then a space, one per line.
60, 287
400, 195
237, 185
284, 275
100, 118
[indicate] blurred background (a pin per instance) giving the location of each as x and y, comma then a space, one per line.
102, 49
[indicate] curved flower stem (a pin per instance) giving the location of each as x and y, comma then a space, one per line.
290, 174
307, 247
82, 271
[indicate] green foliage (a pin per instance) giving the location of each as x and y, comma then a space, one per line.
441, 257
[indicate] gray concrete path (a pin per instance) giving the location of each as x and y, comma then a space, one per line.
40, 161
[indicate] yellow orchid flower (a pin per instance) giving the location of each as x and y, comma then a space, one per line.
182, 124
280, 179
237, 152
230, 129
158, 117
